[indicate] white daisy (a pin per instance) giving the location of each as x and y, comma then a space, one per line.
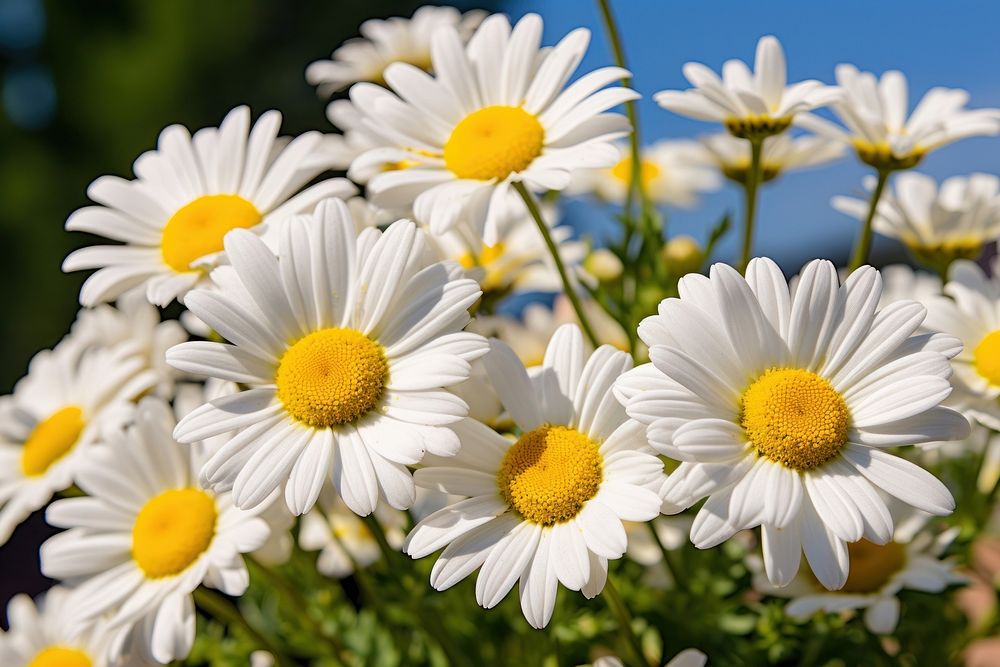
548, 507
900, 282
344, 541
387, 41
874, 112
672, 172
750, 104
779, 154
937, 225
346, 343
68, 401
187, 194
496, 112
781, 408
146, 536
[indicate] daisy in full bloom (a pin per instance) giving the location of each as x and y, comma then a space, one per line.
779, 154
911, 561
69, 400
672, 172
547, 507
874, 111
346, 343
344, 540
750, 104
781, 407
146, 536
937, 225
48, 635
187, 194
387, 41
496, 112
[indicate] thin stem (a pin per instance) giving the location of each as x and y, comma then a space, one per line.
617, 605
860, 256
668, 558
223, 610
750, 214
543, 229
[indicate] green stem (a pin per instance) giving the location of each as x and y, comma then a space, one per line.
750, 188
223, 610
668, 558
860, 256
543, 229
617, 605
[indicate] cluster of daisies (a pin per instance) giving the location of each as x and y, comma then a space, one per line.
343, 376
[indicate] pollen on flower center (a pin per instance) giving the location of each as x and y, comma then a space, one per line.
648, 171
794, 417
172, 530
51, 439
197, 229
872, 565
550, 473
60, 656
986, 357
332, 377
493, 142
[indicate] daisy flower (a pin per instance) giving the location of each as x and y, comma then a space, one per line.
187, 194
911, 561
901, 282
69, 400
937, 225
781, 408
146, 536
750, 104
779, 154
548, 507
346, 344
672, 172
496, 112
387, 41
343, 540
874, 112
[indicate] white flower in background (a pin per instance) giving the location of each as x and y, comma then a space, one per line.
781, 408
671, 532
50, 635
749, 104
779, 154
346, 346
354, 140
496, 112
672, 172
146, 536
69, 400
187, 194
687, 658
983, 443
937, 225
387, 41
343, 539
548, 507
874, 112
134, 323
901, 282
911, 561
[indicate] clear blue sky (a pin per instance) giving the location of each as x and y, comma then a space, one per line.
934, 43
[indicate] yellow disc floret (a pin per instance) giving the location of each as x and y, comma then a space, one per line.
51, 439
794, 417
172, 530
648, 171
550, 473
493, 142
332, 377
197, 229
60, 656
986, 357
872, 565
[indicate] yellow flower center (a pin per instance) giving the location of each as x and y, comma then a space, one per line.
197, 229
872, 565
757, 126
493, 142
60, 656
172, 530
739, 171
880, 155
550, 473
986, 357
51, 439
648, 171
332, 377
794, 417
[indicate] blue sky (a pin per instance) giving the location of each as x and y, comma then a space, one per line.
950, 44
